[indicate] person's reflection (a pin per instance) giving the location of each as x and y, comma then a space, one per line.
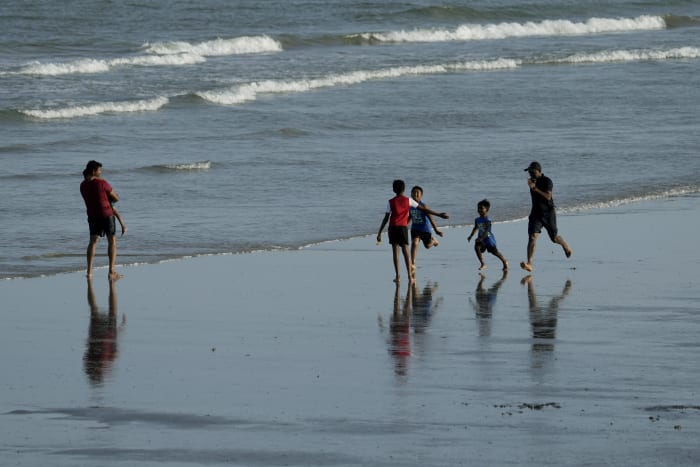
400, 331
543, 319
484, 300
101, 348
424, 306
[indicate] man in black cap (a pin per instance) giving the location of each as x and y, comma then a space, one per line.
542, 213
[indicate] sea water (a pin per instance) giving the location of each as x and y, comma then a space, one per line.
229, 127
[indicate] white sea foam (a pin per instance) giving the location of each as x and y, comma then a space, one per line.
202, 165
672, 193
54, 69
102, 66
234, 46
95, 109
250, 91
633, 55
471, 32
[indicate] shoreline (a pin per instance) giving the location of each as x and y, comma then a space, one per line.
592, 208
314, 357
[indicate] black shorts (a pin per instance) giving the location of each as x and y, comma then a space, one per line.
398, 235
546, 220
102, 226
425, 237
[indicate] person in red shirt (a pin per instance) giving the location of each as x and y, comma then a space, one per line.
397, 214
99, 196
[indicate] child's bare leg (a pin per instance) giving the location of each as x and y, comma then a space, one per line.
414, 250
395, 254
500, 256
480, 256
407, 259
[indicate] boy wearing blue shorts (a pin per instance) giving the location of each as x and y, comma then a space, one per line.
485, 241
422, 226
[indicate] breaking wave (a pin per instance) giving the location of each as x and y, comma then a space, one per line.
217, 47
96, 109
632, 55
249, 92
159, 54
472, 32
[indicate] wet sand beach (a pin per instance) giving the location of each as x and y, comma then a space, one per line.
314, 357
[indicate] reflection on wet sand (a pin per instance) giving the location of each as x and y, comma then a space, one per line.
400, 332
543, 319
416, 312
101, 347
424, 306
484, 300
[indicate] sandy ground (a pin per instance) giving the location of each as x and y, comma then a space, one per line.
314, 357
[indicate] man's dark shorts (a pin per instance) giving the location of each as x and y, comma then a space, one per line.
398, 235
547, 220
425, 237
102, 226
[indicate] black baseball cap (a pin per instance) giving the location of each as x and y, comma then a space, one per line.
534, 165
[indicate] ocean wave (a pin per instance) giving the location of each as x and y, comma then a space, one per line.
671, 193
632, 55
249, 92
201, 165
88, 66
175, 53
217, 47
673, 21
472, 32
96, 109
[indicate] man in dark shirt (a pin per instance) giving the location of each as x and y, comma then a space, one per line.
542, 213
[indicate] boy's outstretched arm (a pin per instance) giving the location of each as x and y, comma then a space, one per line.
434, 213
381, 227
435, 227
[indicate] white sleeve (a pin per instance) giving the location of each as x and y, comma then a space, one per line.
388, 208
412, 203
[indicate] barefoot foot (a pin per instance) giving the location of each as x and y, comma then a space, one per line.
526, 266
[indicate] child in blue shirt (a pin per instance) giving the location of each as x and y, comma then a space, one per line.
421, 230
485, 241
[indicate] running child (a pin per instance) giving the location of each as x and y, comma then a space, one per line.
485, 241
397, 212
422, 226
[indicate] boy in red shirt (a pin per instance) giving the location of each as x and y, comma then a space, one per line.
397, 214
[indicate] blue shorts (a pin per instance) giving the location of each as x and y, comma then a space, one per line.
102, 226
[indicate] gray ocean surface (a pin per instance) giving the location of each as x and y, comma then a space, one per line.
230, 127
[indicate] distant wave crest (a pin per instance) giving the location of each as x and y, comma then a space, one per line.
471, 32
250, 91
633, 55
96, 109
216, 47
671, 193
201, 165
101, 66
159, 54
